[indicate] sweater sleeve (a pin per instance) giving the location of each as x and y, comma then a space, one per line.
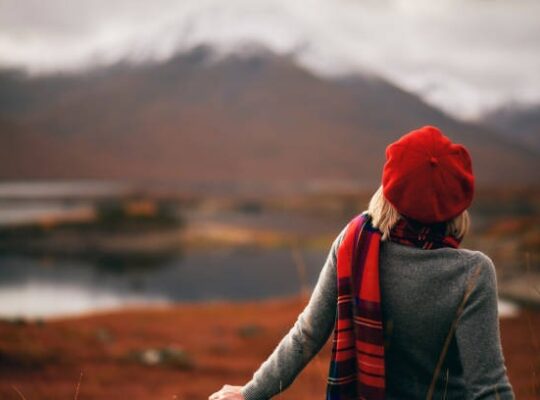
304, 340
478, 336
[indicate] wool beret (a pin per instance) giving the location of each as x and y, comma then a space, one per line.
426, 177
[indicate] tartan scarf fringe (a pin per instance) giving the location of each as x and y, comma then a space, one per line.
357, 368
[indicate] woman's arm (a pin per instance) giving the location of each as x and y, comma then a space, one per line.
478, 336
309, 333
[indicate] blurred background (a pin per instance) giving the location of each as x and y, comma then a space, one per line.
172, 175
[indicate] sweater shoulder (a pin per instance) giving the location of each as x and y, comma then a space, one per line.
476, 258
480, 268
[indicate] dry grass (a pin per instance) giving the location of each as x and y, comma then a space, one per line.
222, 355
18, 392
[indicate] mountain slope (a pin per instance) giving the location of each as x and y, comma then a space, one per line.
517, 123
255, 117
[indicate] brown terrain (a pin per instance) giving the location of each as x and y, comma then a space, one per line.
253, 117
212, 345
521, 123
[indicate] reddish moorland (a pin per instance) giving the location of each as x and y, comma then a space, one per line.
211, 344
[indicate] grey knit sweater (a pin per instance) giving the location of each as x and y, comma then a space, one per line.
421, 291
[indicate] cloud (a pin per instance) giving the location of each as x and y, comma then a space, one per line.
464, 56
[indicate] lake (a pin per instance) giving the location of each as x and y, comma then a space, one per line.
49, 287
31, 287
44, 288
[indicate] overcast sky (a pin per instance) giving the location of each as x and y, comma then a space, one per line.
464, 56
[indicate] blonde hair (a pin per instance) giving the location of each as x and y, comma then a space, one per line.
384, 216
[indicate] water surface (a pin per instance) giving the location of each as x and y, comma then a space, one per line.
31, 287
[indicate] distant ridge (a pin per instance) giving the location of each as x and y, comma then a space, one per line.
521, 124
257, 117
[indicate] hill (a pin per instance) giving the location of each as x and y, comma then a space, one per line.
194, 118
521, 124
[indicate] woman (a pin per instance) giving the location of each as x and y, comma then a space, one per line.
413, 316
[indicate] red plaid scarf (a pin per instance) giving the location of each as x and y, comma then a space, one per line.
357, 370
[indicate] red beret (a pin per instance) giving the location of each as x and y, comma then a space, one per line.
426, 177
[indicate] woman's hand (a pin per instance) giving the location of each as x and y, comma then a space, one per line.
227, 392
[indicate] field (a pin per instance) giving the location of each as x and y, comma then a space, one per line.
188, 352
